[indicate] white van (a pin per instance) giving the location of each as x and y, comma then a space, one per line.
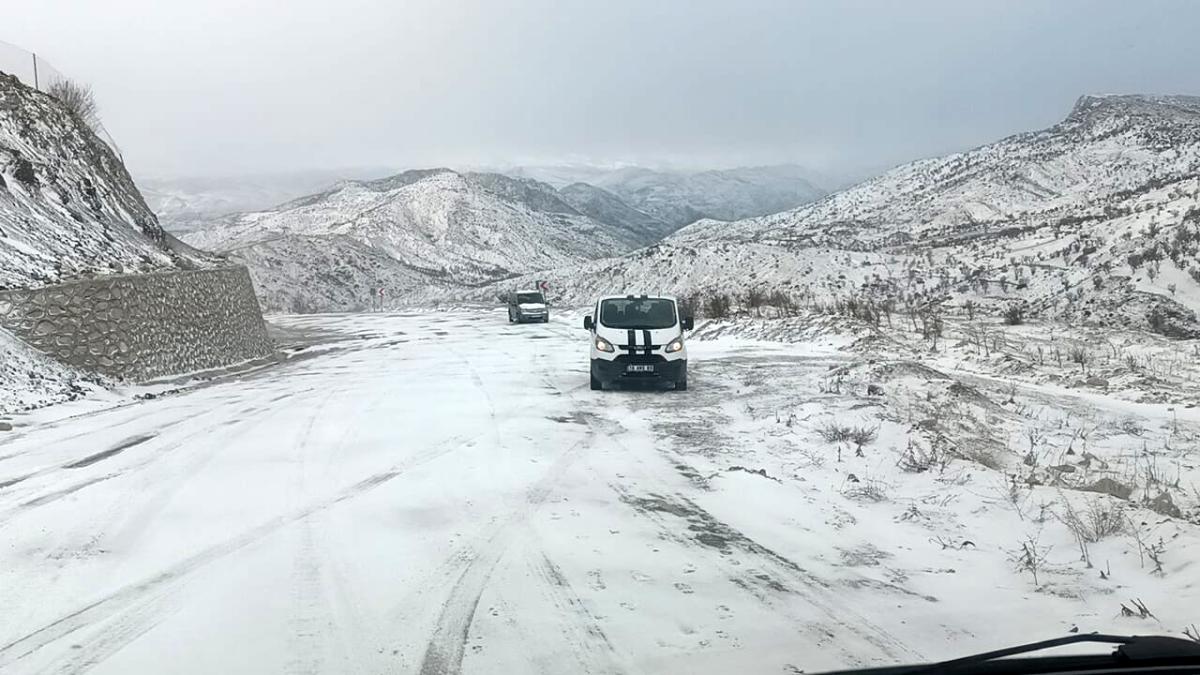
527, 306
638, 339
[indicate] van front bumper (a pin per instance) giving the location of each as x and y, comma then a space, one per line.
617, 371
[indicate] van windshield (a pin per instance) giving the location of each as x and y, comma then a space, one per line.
637, 313
530, 298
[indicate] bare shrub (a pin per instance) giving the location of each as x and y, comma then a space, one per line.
688, 305
1100, 519
781, 301
861, 436
832, 432
868, 490
717, 306
1030, 556
755, 298
77, 98
917, 460
1154, 551
1079, 355
1014, 315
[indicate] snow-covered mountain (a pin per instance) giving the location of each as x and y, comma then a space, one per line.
67, 205
1096, 219
418, 228
604, 206
682, 197
183, 204
1108, 149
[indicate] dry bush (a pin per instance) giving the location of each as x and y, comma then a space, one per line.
868, 490
689, 305
1101, 518
861, 436
832, 432
755, 298
781, 301
77, 98
1014, 315
1030, 556
717, 306
917, 460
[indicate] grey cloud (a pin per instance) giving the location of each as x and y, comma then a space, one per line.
223, 86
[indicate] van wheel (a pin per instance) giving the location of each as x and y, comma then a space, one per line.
681, 383
597, 385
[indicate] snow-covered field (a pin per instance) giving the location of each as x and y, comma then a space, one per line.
440, 492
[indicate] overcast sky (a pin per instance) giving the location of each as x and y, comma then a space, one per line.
204, 87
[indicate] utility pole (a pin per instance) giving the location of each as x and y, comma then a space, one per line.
35, 73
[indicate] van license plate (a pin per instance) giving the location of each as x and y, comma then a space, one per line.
639, 369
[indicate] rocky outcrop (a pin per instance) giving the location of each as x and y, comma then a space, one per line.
68, 207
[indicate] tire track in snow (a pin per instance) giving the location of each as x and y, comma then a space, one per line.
444, 651
587, 639
812, 589
145, 613
310, 620
121, 599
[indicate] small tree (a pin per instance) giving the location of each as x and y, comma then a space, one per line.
77, 98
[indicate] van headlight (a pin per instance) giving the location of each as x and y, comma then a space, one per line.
603, 345
674, 345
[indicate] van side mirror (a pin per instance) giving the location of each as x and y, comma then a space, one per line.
587, 322
688, 323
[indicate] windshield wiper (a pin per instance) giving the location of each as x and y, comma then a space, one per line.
1169, 654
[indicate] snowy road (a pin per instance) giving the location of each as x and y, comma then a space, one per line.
440, 494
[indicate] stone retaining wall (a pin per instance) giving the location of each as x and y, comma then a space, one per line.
143, 326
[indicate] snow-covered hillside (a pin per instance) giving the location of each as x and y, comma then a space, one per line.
1108, 151
606, 207
437, 226
183, 204
67, 205
30, 379
1094, 220
681, 197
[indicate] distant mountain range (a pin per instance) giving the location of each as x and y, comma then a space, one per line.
433, 227
439, 227
1096, 219
186, 203
682, 197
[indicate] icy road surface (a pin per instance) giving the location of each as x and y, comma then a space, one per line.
442, 493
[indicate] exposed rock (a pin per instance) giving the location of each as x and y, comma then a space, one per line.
1109, 487
1095, 381
70, 208
1164, 505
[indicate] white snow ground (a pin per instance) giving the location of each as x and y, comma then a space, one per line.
440, 492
